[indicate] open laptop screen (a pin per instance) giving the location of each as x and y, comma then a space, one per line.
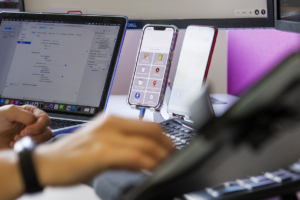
60, 65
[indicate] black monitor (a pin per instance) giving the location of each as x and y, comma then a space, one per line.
223, 14
287, 15
8, 5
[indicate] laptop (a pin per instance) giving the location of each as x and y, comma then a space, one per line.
63, 64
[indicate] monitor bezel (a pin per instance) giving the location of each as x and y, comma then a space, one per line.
220, 23
284, 25
9, 5
82, 18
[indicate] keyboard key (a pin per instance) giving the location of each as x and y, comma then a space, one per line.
188, 131
244, 181
225, 190
175, 133
257, 179
225, 185
185, 140
178, 143
251, 186
178, 137
180, 147
283, 178
174, 140
187, 137
295, 167
271, 175
279, 176
179, 134
280, 172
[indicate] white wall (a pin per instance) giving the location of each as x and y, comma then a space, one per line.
217, 77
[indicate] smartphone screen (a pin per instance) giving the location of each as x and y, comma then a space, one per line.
152, 64
192, 67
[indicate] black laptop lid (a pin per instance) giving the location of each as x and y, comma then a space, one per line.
63, 64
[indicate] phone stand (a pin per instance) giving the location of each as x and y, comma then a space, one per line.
220, 103
163, 114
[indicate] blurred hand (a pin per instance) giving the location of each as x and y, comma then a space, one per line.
20, 121
105, 143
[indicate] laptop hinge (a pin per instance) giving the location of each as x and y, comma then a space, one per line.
68, 117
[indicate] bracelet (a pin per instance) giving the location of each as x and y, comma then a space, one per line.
24, 148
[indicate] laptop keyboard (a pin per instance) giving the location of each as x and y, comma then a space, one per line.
180, 134
57, 123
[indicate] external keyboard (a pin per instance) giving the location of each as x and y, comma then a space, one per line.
268, 184
181, 134
57, 124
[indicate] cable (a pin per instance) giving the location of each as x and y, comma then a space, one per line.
142, 113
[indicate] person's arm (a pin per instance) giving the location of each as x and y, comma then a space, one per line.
110, 143
11, 182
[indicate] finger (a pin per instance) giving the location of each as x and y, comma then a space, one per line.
12, 144
17, 114
146, 145
43, 121
17, 137
154, 132
148, 129
131, 159
42, 137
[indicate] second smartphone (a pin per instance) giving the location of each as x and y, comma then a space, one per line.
152, 66
193, 66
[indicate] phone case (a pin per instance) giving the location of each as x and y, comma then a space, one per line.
168, 66
212, 49
177, 113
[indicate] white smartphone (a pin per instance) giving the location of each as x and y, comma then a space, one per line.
152, 66
193, 66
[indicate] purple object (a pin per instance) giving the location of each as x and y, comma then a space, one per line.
253, 53
17, 102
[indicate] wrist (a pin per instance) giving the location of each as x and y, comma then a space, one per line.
11, 176
64, 162
44, 166
54, 167
16, 176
